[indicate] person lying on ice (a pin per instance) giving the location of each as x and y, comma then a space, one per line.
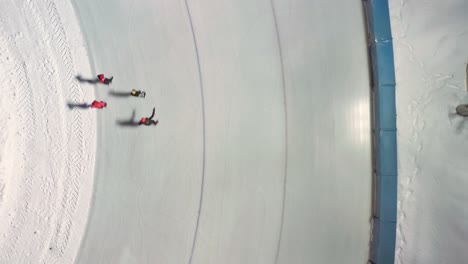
138, 93
98, 104
147, 121
105, 80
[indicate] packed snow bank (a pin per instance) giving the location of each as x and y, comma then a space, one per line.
430, 44
47, 151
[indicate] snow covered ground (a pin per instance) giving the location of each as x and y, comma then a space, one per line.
262, 152
431, 55
47, 151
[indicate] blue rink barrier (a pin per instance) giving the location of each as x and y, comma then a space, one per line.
382, 245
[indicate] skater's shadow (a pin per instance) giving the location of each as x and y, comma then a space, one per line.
128, 123
119, 94
78, 105
461, 126
85, 80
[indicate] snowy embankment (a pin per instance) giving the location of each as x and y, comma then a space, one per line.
430, 44
47, 151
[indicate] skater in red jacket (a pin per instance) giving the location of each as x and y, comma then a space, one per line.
98, 104
147, 121
105, 80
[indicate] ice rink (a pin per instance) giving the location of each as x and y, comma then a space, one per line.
262, 153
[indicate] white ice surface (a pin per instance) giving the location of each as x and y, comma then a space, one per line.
430, 46
46, 150
264, 129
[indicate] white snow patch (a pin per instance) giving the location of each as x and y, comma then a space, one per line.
47, 151
430, 40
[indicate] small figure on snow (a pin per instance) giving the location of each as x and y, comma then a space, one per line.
105, 80
462, 109
138, 93
98, 104
147, 121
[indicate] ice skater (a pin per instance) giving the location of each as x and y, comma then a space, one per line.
98, 104
138, 93
148, 121
105, 80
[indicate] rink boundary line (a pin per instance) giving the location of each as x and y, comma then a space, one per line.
285, 177
204, 128
385, 173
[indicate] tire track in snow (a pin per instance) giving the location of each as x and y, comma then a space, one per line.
18, 77
44, 57
283, 84
76, 142
60, 211
55, 138
200, 77
56, 143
